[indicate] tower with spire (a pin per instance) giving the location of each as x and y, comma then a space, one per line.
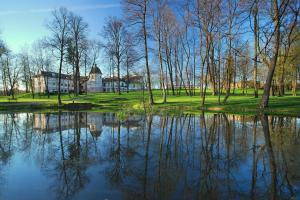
94, 83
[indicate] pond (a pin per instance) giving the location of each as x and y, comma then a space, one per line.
79, 155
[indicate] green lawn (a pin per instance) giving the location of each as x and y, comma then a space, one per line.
133, 101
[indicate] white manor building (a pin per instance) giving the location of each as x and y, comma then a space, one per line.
48, 81
132, 83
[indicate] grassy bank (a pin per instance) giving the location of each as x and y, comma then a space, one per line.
133, 102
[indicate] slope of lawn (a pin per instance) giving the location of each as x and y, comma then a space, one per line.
133, 101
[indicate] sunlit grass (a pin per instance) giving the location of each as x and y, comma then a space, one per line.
240, 103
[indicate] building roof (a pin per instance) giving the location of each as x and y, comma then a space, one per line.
54, 75
131, 79
134, 79
64, 76
95, 70
111, 79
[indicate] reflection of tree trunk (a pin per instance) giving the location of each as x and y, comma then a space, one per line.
228, 133
170, 136
162, 133
286, 170
254, 160
77, 129
60, 136
128, 132
119, 150
176, 139
119, 138
266, 130
147, 154
62, 148
228, 142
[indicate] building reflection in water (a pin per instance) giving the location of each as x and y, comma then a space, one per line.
49, 123
99, 155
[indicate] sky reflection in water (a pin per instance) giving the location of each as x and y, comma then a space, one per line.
99, 156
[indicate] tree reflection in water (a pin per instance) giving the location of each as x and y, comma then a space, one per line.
212, 156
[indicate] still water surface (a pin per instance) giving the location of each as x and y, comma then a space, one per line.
71, 155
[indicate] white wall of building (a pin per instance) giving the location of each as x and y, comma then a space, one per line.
94, 84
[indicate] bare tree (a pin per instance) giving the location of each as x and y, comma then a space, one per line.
232, 28
157, 28
3, 51
169, 33
256, 37
115, 34
131, 57
91, 53
206, 18
12, 73
243, 67
288, 39
272, 34
27, 70
42, 60
137, 14
78, 32
59, 28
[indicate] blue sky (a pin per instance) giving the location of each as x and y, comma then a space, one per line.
23, 21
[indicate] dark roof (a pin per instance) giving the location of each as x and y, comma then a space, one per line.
54, 75
63, 76
132, 79
110, 79
95, 70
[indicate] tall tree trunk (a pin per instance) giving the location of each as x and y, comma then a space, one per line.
161, 70
234, 75
255, 13
219, 69
85, 64
265, 98
127, 73
194, 67
47, 86
77, 64
281, 81
207, 50
119, 78
228, 77
59, 74
294, 82
151, 101
170, 70
212, 71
